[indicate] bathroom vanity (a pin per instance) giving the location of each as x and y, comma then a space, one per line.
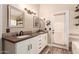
26, 44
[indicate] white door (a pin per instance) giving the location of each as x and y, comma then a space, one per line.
60, 24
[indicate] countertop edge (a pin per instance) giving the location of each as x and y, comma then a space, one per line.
21, 39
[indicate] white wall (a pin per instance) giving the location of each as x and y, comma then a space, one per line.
28, 25
0, 27
4, 26
47, 10
42, 10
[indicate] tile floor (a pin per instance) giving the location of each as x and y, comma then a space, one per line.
55, 50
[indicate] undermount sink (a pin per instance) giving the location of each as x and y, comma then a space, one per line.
41, 32
23, 36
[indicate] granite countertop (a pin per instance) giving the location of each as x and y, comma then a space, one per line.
14, 39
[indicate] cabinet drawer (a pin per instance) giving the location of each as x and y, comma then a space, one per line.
39, 49
39, 40
40, 44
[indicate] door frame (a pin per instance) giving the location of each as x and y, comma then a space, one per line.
66, 26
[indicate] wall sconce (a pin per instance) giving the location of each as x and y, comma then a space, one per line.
29, 11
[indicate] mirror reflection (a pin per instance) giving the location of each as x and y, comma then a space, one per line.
16, 17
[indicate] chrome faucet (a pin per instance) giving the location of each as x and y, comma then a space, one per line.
21, 33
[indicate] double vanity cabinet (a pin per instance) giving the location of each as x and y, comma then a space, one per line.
33, 45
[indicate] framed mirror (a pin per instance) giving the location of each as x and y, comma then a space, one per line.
15, 17
36, 22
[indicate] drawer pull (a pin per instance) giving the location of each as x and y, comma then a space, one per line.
39, 47
31, 46
28, 48
39, 43
39, 40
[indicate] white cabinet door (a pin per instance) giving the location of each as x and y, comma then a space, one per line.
33, 45
22, 47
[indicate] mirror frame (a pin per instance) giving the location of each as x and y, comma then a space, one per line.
9, 16
36, 19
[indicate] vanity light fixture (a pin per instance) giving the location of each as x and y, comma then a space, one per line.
77, 17
29, 11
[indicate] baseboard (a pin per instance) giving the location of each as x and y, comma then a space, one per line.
59, 44
64, 47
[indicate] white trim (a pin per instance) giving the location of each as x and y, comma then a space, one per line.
51, 45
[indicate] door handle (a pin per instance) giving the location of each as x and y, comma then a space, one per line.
53, 31
28, 48
31, 46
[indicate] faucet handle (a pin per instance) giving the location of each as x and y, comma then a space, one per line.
17, 34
